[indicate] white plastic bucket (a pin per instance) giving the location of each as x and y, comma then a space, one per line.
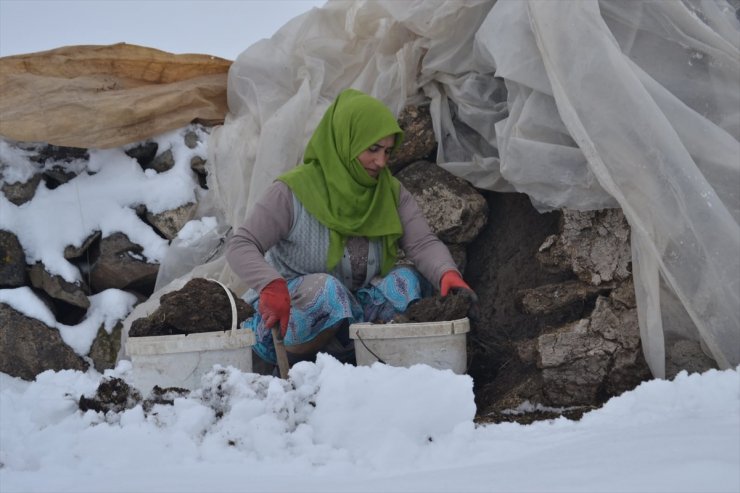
441, 345
181, 360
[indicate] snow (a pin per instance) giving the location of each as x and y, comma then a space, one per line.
339, 428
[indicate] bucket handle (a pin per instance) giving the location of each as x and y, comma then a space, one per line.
233, 305
380, 360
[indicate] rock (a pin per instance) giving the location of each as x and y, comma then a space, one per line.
71, 251
105, 347
456, 212
143, 153
163, 162
200, 306
589, 360
595, 245
553, 297
28, 347
12, 261
198, 165
58, 288
170, 222
60, 154
685, 354
419, 141
191, 139
57, 175
119, 263
20, 193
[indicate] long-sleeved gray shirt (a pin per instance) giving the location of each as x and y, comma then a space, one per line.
271, 221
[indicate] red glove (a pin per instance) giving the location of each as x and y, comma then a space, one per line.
274, 305
452, 280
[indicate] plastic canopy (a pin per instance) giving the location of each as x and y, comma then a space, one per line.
583, 105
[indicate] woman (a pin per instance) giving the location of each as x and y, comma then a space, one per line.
319, 247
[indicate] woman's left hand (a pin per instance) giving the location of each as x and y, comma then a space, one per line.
451, 280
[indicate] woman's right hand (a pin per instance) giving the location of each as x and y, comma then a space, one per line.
274, 305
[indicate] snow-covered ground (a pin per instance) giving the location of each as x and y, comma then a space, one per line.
337, 428
331, 428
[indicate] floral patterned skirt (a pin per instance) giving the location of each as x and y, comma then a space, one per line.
321, 301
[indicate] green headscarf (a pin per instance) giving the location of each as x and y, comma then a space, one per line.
334, 187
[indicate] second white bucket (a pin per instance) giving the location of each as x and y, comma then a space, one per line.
441, 345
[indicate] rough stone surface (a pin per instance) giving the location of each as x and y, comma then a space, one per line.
595, 245
685, 354
143, 153
419, 141
170, 222
59, 154
28, 347
57, 175
104, 349
163, 162
455, 210
12, 261
200, 306
553, 297
20, 193
58, 288
587, 361
191, 139
71, 251
198, 164
118, 263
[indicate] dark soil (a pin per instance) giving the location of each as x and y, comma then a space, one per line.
454, 306
200, 306
501, 264
115, 395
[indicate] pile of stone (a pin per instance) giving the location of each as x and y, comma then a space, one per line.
113, 261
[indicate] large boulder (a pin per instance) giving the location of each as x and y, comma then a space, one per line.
594, 245
58, 288
170, 222
419, 141
29, 347
12, 261
119, 263
454, 209
587, 361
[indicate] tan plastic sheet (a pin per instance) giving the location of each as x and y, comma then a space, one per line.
107, 96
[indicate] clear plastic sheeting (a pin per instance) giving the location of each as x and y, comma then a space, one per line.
583, 105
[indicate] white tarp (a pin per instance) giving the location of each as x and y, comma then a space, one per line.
580, 104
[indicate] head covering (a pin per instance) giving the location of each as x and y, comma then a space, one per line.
334, 187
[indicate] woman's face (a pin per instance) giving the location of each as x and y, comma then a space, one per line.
375, 157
